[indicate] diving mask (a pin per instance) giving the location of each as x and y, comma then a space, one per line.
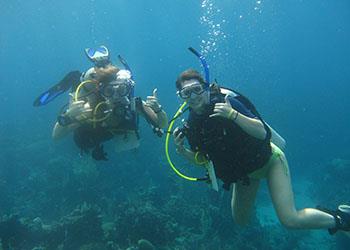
115, 89
120, 87
99, 56
192, 88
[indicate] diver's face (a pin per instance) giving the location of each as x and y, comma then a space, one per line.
194, 94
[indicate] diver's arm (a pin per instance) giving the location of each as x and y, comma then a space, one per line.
252, 126
153, 111
158, 119
188, 154
77, 112
59, 131
191, 156
162, 119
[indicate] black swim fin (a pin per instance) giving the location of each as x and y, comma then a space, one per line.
71, 79
99, 154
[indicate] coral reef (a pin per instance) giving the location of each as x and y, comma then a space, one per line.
82, 226
64, 202
138, 221
331, 185
145, 245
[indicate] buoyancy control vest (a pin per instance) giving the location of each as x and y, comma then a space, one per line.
90, 135
233, 152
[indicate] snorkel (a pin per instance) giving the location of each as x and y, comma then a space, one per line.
204, 65
180, 111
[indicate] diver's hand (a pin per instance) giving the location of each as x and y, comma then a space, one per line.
179, 139
225, 110
152, 102
79, 110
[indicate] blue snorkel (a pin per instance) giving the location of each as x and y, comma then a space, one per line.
126, 66
204, 65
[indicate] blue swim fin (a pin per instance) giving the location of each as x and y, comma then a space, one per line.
70, 80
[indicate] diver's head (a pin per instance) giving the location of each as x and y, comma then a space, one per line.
101, 74
120, 88
99, 56
106, 74
192, 88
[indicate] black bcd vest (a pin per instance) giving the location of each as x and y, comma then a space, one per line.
233, 152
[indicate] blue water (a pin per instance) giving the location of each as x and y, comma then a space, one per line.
292, 58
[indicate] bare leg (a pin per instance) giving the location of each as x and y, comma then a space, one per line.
243, 198
283, 200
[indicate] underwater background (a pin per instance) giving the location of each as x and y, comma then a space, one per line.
291, 58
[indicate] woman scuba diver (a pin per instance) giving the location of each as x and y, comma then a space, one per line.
224, 128
103, 107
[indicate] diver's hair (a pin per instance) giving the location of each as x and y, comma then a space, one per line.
107, 73
189, 74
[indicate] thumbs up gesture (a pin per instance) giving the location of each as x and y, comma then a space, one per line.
225, 110
152, 102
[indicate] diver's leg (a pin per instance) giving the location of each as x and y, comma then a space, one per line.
243, 198
279, 183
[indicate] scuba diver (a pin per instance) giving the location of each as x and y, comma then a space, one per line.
102, 106
223, 127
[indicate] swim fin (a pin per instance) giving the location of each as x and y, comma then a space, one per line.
99, 154
70, 80
342, 218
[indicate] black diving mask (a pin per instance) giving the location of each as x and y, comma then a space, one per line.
187, 92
